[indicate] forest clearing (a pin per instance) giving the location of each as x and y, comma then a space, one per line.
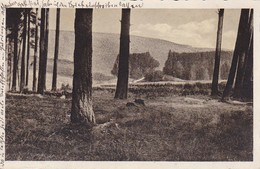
166, 128
98, 100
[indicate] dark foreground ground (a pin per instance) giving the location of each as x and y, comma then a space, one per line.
175, 128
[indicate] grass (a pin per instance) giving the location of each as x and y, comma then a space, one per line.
167, 128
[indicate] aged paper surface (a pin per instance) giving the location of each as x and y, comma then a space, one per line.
143, 4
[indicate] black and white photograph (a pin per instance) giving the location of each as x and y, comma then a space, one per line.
129, 84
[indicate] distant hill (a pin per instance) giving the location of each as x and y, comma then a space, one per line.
106, 49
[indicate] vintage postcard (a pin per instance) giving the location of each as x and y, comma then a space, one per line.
129, 84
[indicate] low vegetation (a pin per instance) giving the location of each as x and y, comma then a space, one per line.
169, 127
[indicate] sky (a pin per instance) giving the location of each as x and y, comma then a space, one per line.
194, 27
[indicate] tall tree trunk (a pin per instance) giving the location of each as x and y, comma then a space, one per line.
42, 41
35, 52
123, 70
15, 60
23, 52
243, 57
18, 60
56, 54
28, 47
82, 106
239, 46
214, 87
43, 50
247, 90
9, 49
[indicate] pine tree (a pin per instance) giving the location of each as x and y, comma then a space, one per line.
82, 106
123, 68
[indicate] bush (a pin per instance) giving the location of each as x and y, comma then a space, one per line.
65, 88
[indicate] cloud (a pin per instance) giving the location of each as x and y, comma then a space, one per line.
196, 34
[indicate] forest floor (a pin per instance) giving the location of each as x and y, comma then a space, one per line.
167, 128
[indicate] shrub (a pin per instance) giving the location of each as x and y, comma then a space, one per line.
65, 88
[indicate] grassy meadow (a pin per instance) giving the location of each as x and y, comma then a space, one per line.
171, 126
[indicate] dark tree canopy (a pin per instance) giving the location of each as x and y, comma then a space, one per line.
139, 65
188, 65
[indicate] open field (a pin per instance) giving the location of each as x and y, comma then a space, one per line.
170, 127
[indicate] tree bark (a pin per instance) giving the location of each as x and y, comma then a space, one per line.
42, 45
15, 60
56, 53
243, 57
82, 106
46, 38
35, 52
214, 88
23, 52
43, 50
123, 70
238, 47
28, 47
247, 90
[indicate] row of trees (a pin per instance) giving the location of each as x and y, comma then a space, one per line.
82, 106
241, 70
82, 111
20, 32
22, 35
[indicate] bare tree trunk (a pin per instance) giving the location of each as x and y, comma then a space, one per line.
15, 60
214, 87
82, 106
18, 61
247, 90
23, 52
35, 52
123, 70
42, 45
239, 46
28, 47
43, 50
243, 57
56, 54
9, 49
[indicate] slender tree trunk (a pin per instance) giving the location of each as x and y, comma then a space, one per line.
214, 88
243, 57
239, 41
35, 52
56, 54
28, 47
82, 106
45, 49
9, 49
42, 52
42, 45
18, 60
23, 52
15, 60
123, 70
